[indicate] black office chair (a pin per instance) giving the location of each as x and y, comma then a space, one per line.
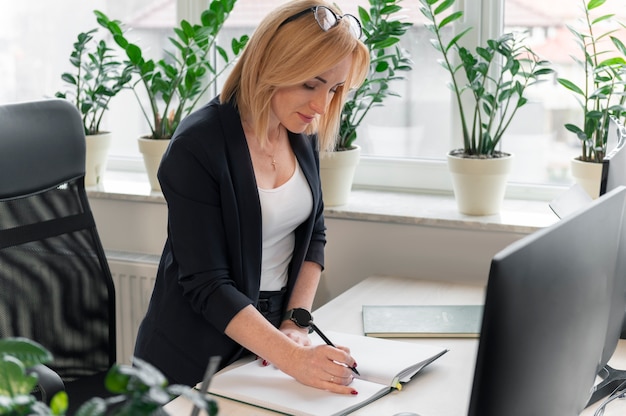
55, 284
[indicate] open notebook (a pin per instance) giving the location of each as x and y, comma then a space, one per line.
384, 365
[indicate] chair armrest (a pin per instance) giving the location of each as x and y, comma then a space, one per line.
49, 384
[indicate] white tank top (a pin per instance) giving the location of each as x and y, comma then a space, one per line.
283, 209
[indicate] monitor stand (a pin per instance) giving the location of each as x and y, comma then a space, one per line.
611, 379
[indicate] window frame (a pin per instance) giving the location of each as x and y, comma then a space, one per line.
189, 10
432, 175
414, 175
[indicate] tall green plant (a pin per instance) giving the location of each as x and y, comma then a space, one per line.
98, 77
602, 94
495, 77
382, 35
175, 85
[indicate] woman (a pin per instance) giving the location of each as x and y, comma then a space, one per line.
246, 231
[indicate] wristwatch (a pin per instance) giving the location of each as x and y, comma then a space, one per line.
300, 316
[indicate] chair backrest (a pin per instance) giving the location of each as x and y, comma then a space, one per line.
55, 284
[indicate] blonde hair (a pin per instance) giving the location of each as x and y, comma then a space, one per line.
281, 55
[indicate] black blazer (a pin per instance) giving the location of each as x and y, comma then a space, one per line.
211, 264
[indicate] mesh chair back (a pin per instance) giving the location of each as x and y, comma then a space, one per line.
55, 284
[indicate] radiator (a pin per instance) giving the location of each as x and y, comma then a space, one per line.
133, 276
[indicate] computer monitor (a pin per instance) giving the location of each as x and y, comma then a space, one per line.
553, 301
614, 163
613, 176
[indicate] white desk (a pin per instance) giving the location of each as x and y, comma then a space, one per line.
441, 389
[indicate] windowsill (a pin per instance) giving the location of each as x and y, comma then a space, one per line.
411, 208
440, 210
127, 186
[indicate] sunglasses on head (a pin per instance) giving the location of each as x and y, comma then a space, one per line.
327, 19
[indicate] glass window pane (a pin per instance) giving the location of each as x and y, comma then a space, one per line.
416, 125
542, 146
36, 39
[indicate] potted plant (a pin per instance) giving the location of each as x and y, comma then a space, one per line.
98, 77
175, 85
140, 389
601, 94
382, 32
488, 87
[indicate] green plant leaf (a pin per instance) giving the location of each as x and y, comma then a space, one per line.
616, 61
29, 352
484, 53
390, 9
59, 403
116, 381
364, 17
594, 4
456, 39
14, 381
597, 115
543, 71
450, 19
619, 45
385, 43
96, 406
573, 128
445, 5
570, 86
602, 19
617, 108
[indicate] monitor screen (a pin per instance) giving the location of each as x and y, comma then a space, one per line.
553, 301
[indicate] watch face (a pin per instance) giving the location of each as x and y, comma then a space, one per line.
301, 317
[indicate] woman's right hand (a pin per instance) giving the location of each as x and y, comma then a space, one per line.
320, 366
323, 367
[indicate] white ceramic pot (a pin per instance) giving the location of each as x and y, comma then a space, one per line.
152, 152
337, 173
479, 184
588, 175
97, 150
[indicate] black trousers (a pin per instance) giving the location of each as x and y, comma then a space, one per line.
272, 304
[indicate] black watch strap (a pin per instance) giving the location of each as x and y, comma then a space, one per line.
300, 316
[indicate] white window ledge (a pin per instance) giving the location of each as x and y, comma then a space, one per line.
440, 210
412, 208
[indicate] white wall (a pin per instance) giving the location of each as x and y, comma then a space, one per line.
130, 225
355, 249
358, 249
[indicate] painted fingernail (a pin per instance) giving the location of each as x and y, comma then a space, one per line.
355, 364
354, 392
265, 363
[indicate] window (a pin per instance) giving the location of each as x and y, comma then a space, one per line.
420, 139
404, 142
36, 40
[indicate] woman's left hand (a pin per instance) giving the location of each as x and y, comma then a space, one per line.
299, 335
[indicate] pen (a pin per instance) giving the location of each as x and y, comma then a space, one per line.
329, 342
303, 319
